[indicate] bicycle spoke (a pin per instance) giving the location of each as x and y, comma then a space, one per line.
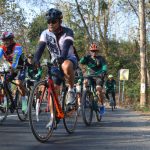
41, 113
71, 114
87, 110
3, 109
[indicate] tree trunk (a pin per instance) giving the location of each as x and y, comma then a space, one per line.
142, 44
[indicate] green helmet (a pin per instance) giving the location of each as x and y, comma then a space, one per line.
110, 76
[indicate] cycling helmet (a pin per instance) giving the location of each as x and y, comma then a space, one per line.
94, 47
7, 35
53, 14
110, 76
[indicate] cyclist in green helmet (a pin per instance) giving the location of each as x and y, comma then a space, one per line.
110, 86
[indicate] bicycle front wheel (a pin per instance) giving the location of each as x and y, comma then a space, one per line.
41, 112
21, 114
87, 109
71, 114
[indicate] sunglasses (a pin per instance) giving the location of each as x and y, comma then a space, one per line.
52, 21
94, 51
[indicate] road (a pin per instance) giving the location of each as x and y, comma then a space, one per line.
122, 129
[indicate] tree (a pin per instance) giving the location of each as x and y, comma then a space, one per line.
95, 18
12, 19
142, 44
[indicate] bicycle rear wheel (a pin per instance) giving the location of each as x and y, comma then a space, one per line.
41, 112
21, 115
87, 109
71, 114
3, 109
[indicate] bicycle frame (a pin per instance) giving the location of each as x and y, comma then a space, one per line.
51, 90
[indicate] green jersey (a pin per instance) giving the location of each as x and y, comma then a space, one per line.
95, 65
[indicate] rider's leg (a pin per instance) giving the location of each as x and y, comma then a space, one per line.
107, 94
22, 92
68, 69
100, 94
99, 89
113, 95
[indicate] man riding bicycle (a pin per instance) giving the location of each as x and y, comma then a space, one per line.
110, 86
59, 41
96, 65
12, 52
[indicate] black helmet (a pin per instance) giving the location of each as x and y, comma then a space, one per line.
53, 14
7, 35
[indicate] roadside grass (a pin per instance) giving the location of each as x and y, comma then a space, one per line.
135, 106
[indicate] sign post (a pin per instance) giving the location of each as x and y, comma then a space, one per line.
123, 76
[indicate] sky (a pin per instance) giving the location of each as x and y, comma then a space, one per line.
123, 26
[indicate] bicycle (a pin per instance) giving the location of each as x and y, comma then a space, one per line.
90, 103
50, 108
11, 102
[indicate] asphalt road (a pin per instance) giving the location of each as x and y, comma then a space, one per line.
121, 129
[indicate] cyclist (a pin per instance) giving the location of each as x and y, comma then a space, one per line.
33, 72
12, 52
110, 86
59, 41
96, 65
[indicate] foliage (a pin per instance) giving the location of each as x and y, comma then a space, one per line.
11, 16
36, 27
88, 19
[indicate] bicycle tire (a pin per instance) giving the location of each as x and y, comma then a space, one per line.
4, 107
21, 115
87, 109
98, 116
71, 114
39, 115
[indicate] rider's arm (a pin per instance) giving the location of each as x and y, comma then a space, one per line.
103, 69
16, 56
40, 48
84, 60
39, 52
68, 42
1, 53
